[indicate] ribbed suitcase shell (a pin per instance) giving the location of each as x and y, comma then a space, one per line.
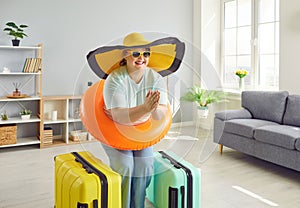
175, 182
78, 186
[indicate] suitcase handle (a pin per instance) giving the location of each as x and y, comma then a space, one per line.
84, 166
189, 176
103, 180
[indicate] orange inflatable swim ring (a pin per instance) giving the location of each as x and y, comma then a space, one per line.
124, 137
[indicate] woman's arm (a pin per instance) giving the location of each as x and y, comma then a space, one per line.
139, 113
160, 112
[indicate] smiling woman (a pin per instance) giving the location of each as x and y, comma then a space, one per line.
129, 112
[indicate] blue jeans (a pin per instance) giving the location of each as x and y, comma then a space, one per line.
135, 167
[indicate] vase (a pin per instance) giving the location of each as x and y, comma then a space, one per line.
242, 84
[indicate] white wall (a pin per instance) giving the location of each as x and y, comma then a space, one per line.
210, 43
69, 29
289, 46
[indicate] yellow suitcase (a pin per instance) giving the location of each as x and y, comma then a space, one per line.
83, 181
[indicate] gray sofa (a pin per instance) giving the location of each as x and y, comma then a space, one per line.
267, 127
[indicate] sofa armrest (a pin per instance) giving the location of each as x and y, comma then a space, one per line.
233, 114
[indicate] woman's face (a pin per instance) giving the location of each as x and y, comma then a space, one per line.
137, 58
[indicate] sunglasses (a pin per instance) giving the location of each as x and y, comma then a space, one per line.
137, 54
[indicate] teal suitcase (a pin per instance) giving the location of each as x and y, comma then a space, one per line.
175, 182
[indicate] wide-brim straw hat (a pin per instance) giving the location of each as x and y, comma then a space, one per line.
166, 55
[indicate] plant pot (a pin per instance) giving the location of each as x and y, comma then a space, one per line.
202, 111
25, 117
15, 42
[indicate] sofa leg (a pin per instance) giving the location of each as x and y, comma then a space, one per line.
221, 148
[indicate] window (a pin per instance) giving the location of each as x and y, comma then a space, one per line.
250, 40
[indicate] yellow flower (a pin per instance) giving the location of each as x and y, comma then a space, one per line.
241, 72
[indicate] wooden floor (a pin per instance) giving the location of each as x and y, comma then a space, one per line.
232, 180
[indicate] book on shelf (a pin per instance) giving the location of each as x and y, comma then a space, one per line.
32, 65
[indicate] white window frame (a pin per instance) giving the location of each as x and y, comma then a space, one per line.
254, 81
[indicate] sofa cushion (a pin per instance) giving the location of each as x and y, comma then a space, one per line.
233, 114
245, 127
279, 135
292, 113
265, 105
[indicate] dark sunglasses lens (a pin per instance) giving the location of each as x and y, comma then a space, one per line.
146, 54
136, 54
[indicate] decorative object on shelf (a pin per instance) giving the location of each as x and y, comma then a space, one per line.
203, 98
17, 97
241, 73
78, 135
8, 134
25, 114
6, 70
77, 113
32, 65
47, 136
54, 115
17, 92
4, 116
15, 31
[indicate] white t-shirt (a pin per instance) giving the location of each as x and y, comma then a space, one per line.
120, 91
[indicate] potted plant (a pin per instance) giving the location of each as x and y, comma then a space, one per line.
25, 114
203, 98
15, 31
4, 116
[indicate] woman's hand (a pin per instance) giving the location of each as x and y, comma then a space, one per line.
151, 101
138, 114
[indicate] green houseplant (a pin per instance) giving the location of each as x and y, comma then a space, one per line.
25, 114
4, 116
203, 98
15, 31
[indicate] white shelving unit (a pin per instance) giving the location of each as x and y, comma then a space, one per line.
68, 119
13, 57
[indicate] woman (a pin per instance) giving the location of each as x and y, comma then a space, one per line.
133, 91
130, 99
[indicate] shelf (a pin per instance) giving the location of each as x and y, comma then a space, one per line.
47, 121
23, 142
58, 121
72, 120
29, 98
21, 47
19, 73
17, 120
14, 58
67, 107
